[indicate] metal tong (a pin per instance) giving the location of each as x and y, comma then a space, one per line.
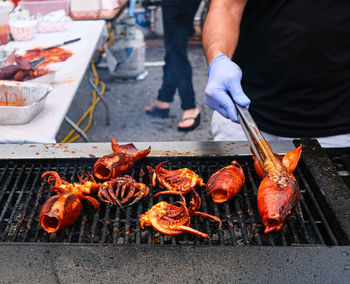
261, 149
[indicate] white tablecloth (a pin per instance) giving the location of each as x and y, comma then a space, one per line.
44, 127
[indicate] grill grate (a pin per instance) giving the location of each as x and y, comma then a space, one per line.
22, 193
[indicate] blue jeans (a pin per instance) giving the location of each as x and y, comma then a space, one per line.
177, 72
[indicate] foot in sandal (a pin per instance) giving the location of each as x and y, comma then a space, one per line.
158, 109
190, 120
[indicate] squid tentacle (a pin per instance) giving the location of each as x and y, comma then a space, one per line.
143, 191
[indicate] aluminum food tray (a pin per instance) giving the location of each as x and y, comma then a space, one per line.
48, 78
29, 99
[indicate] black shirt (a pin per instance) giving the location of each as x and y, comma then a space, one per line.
295, 59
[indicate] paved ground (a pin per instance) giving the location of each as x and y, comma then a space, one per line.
127, 98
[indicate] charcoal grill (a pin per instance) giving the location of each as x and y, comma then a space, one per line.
319, 224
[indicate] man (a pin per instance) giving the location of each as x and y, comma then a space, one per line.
295, 60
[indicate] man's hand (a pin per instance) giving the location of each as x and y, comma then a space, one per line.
225, 76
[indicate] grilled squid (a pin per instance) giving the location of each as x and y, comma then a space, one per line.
61, 211
225, 183
279, 191
119, 162
183, 180
86, 185
173, 220
169, 219
122, 190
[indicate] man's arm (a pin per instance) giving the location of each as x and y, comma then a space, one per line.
220, 37
221, 27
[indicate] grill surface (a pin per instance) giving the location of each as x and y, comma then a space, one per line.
340, 157
22, 193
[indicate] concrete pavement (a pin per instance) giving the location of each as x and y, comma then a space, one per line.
127, 98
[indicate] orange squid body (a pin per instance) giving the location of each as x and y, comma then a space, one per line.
119, 162
276, 202
225, 183
60, 212
279, 193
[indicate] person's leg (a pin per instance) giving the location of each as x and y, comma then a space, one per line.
185, 29
167, 90
184, 70
190, 116
171, 12
169, 85
178, 26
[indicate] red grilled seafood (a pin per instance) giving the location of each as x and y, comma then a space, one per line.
279, 191
52, 55
174, 181
195, 203
121, 190
87, 185
225, 183
119, 162
61, 211
173, 220
10, 70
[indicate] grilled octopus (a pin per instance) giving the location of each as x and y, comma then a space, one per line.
173, 220
62, 210
279, 191
225, 183
183, 180
121, 190
119, 162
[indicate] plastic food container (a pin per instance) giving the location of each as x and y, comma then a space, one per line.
85, 9
23, 30
21, 102
4, 27
45, 7
53, 22
51, 27
109, 4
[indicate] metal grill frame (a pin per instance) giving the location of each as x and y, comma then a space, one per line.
326, 218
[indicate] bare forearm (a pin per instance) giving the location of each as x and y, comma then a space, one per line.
221, 28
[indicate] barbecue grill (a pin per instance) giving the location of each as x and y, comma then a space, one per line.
109, 242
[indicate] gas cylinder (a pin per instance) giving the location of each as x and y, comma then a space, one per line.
126, 55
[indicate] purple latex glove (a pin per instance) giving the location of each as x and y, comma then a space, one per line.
225, 76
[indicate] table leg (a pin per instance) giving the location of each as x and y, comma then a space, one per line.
76, 128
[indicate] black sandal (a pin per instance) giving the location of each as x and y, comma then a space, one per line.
195, 124
158, 112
